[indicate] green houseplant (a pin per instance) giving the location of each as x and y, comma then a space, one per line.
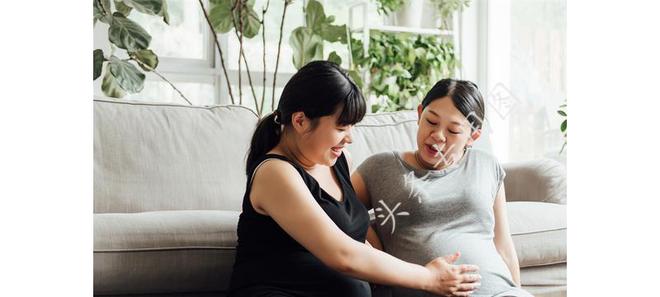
385, 7
307, 41
403, 67
446, 8
564, 125
121, 75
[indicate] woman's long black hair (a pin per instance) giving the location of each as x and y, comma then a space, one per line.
318, 89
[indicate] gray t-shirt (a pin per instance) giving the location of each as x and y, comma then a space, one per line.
424, 214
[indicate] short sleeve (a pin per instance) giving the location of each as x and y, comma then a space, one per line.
500, 174
367, 170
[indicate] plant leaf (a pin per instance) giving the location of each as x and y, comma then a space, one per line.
251, 22
306, 46
98, 62
220, 16
110, 87
164, 12
314, 16
127, 34
150, 7
101, 6
128, 77
334, 58
333, 33
564, 125
561, 112
146, 59
123, 8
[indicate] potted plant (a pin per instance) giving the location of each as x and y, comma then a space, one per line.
405, 13
445, 10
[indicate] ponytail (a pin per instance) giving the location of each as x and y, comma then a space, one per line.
265, 138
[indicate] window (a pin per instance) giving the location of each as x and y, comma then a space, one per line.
189, 58
526, 78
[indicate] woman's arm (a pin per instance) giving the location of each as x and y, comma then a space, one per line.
362, 194
503, 240
279, 192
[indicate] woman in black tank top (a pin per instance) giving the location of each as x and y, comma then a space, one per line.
302, 230
269, 259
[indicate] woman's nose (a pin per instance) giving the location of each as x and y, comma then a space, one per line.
349, 136
439, 136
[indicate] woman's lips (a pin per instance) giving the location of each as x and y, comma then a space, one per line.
336, 151
431, 150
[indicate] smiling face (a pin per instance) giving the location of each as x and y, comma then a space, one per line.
323, 142
443, 133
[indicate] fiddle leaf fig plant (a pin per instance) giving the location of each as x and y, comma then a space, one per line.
121, 75
245, 17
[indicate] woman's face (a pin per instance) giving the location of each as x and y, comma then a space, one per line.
443, 133
324, 143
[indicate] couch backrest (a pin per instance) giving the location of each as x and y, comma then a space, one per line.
151, 156
169, 157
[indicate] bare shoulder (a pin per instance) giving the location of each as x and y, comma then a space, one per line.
274, 171
271, 177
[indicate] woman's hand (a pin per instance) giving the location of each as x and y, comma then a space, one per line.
452, 280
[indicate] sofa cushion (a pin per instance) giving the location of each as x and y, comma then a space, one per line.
539, 232
151, 156
164, 251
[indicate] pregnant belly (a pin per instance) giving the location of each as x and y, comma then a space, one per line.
474, 249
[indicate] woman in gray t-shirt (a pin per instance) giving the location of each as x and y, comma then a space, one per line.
444, 197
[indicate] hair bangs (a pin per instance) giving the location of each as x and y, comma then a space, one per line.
353, 108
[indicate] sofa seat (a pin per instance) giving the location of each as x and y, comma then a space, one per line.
163, 251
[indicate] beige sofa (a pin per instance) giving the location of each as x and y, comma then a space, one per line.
169, 180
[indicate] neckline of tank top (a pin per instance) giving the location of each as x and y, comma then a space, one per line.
431, 172
336, 172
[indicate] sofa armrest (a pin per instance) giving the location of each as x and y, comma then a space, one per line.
542, 180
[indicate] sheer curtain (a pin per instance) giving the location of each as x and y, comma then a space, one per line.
526, 78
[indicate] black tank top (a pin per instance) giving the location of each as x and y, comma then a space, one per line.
270, 262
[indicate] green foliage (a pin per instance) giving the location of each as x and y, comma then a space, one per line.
385, 7
121, 76
307, 46
307, 41
224, 16
446, 8
404, 67
564, 124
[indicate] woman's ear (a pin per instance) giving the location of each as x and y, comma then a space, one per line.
474, 136
420, 108
299, 121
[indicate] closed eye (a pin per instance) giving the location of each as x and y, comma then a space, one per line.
432, 123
